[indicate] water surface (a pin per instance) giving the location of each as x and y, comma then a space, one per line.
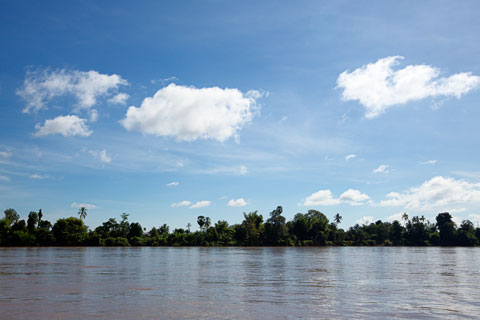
240, 283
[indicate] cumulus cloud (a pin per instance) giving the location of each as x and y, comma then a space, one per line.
183, 203
326, 198
200, 204
377, 86
83, 205
38, 176
189, 113
436, 193
120, 98
240, 202
173, 184
365, 220
381, 169
101, 155
41, 86
67, 126
350, 156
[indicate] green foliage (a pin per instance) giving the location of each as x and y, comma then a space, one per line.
305, 229
69, 232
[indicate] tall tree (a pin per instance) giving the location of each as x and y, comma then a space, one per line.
337, 218
11, 216
82, 213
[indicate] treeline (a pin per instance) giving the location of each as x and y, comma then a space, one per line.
309, 229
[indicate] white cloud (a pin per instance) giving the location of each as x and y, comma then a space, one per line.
235, 170
321, 198
326, 198
183, 203
377, 86
430, 162
69, 125
381, 169
365, 220
354, 197
83, 205
173, 184
4, 178
38, 176
120, 98
5, 154
188, 113
396, 216
243, 170
350, 156
101, 155
436, 193
41, 86
200, 204
240, 202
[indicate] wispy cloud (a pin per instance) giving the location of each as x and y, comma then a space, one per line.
83, 205
38, 176
41, 86
201, 204
173, 184
350, 156
184, 203
429, 162
381, 169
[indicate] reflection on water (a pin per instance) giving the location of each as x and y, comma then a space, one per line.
234, 283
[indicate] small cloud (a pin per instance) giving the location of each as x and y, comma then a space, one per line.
83, 205
430, 162
240, 202
183, 203
67, 126
4, 178
243, 170
200, 204
381, 169
100, 155
282, 120
120, 98
38, 176
173, 184
365, 220
326, 198
350, 156
5, 154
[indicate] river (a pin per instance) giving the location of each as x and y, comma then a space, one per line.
240, 283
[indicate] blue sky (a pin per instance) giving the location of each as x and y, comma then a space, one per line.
169, 110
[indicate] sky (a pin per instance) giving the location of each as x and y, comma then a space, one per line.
168, 110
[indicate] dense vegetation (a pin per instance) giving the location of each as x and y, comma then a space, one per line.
309, 229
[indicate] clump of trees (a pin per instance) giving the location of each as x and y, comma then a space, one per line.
305, 229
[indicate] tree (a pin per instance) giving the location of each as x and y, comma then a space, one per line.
69, 231
82, 213
337, 218
446, 226
405, 218
275, 227
189, 225
32, 222
11, 216
201, 222
208, 222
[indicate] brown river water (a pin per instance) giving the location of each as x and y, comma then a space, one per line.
240, 283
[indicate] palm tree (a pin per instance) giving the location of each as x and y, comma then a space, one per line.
405, 218
188, 226
82, 213
208, 223
337, 218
